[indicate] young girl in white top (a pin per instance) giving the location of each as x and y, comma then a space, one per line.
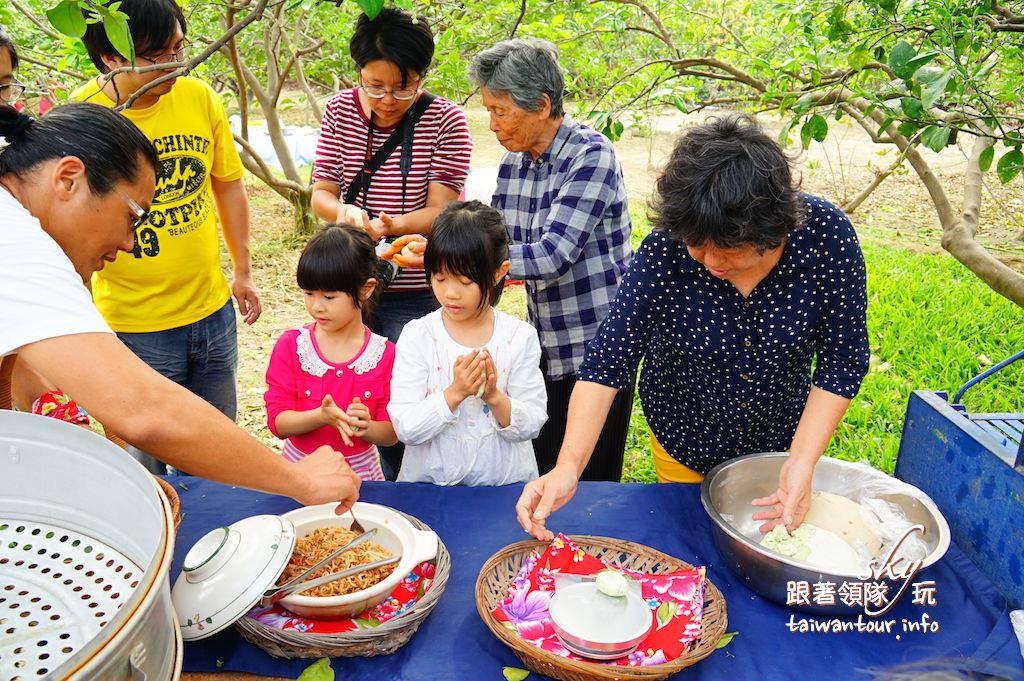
467, 394
328, 382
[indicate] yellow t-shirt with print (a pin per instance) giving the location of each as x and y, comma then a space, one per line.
173, 275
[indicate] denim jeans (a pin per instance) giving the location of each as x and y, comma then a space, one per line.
202, 357
393, 312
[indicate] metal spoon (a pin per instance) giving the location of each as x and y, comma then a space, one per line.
356, 526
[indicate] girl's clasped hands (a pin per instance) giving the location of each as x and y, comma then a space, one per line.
352, 422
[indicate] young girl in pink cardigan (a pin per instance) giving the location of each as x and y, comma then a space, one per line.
328, 382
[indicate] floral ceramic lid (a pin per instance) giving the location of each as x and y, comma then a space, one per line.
226, 572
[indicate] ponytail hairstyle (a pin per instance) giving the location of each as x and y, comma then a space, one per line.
469, 239
339, 258
108, 144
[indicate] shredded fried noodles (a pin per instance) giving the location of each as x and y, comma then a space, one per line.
322, 541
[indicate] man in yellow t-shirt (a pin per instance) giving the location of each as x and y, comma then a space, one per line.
168, 299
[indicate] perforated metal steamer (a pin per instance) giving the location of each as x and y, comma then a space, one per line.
86, 541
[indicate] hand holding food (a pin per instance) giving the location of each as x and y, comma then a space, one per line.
356, 217
359, 416
407, 251
468, 374
332, 415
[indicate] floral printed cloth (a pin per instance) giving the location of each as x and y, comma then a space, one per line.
57, 405
676, 600
407, 594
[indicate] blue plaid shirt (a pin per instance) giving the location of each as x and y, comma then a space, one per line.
569, 228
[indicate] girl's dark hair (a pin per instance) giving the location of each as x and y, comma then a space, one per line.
152, 24
109, 145
339, 258
8, 44
394, 36
730, 184
469, 240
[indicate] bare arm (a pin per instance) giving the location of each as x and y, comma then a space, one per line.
588, 409
232, 203
27, 384
789, 504
159, 416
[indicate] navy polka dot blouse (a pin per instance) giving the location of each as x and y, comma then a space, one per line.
725, 375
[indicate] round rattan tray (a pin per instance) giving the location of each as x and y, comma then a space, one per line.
172, 498
501, 568
381, 640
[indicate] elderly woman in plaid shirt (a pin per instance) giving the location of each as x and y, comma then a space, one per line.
561, 192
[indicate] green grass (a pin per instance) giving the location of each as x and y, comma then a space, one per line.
932, 325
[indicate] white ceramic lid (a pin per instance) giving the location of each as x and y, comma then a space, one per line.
226, 572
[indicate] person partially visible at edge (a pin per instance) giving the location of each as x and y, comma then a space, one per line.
741, 288
74, 186
10, 88
166, 297
561, 192
425, 172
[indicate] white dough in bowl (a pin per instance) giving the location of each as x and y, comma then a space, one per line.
825, 550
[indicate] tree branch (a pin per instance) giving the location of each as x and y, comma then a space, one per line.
52, 68
256, 165
186, 67
519, 19
663, 33
25, 12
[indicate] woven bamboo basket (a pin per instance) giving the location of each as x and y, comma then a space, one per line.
381, 640
172, 498
501, 568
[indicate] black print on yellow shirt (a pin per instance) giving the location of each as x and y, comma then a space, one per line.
180, 179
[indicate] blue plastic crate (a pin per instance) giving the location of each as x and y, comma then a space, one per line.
972, 466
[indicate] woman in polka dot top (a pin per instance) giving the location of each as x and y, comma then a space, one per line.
744, 285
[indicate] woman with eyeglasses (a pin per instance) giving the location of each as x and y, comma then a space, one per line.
10, 88
74, 186
391, 155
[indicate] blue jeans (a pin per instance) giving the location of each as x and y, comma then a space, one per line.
393, 312
202, 357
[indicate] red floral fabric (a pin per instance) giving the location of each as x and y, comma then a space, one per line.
676, 600
408, 592
57, 405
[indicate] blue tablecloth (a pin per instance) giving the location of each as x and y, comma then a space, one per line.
475, 522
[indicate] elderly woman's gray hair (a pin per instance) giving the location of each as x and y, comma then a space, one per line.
524, 69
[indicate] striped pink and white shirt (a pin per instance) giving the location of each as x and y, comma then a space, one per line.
440, 153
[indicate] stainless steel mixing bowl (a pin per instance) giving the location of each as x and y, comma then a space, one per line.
726, 494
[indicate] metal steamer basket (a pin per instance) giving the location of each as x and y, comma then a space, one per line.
86, 542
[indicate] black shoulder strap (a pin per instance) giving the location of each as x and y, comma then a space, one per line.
402, 131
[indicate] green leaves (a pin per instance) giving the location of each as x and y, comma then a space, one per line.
726, 639
371, 8
933, 82
514, 673
899, 59
1009, 165
815, 128
67, 18
935, 137
986, 157
318, 671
